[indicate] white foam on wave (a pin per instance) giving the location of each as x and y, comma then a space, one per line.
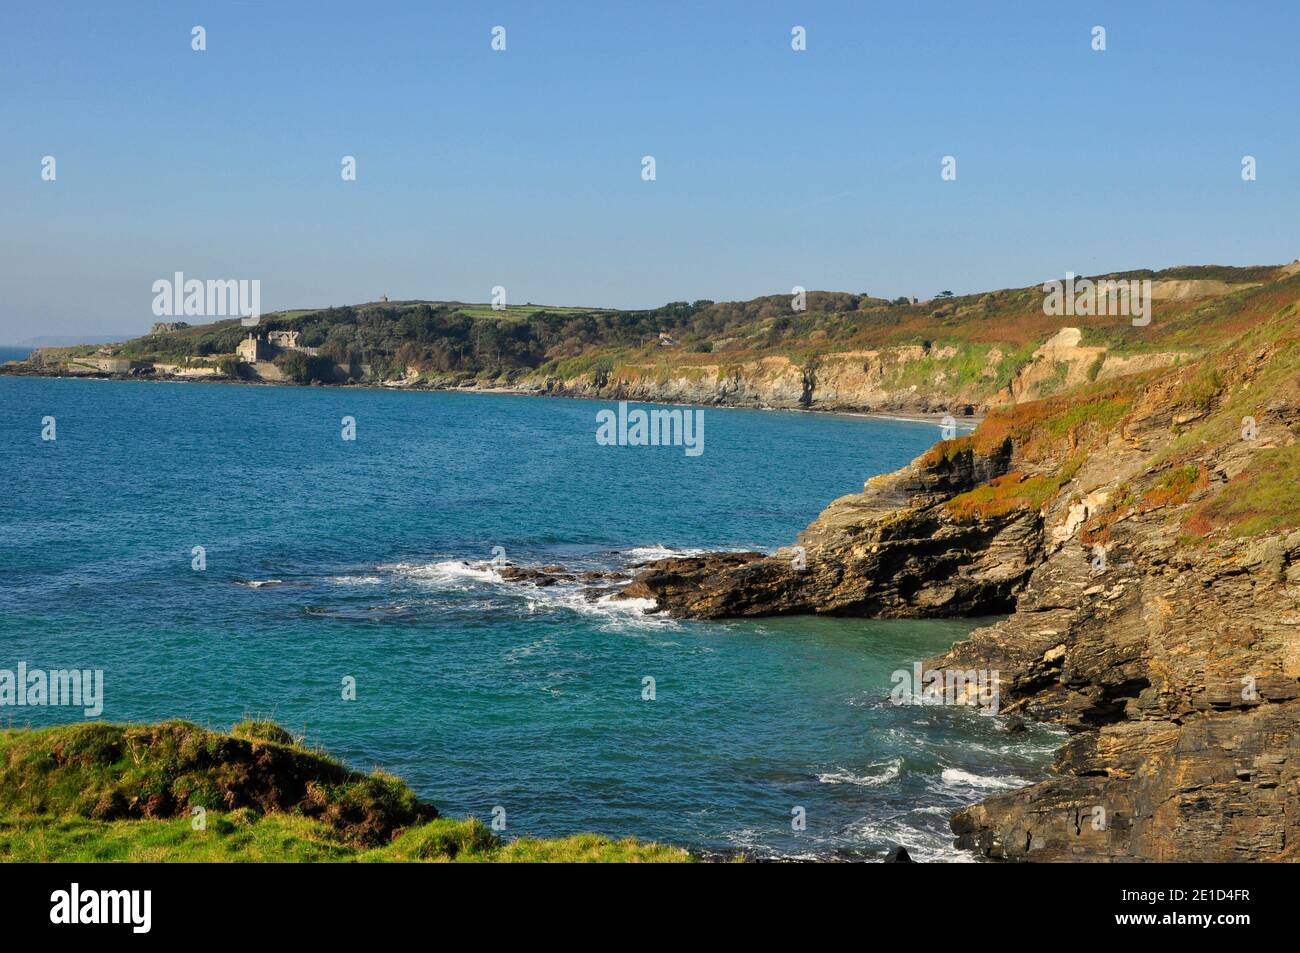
643, 554
926, 842
262, 583
753, 843
620, 613
451, 573
924, 833
460, 575
956, 776
1019, 745
841, 776
658, 551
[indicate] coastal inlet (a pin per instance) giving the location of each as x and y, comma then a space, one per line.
372, 559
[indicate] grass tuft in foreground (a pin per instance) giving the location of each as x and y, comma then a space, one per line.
174, 791
243, 837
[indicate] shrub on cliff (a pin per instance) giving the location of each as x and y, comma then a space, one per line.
254, 730
111, 772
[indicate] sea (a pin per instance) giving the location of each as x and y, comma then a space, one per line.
324, 556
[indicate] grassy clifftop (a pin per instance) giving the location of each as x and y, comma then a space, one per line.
841, 350
176, 792
1220, 459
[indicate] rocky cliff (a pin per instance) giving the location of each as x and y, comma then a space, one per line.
1144, 535
961, 379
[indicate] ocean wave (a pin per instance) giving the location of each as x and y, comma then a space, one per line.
657, 551
841, 776
753, 843
620, 613
925, 844
926, 838
565, 595
452, 573
958, 777
1018, 745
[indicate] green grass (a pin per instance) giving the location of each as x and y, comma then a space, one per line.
588, 849
1258, 501
106, 792
1227, 406
1012, 492
1175, 486
243, 837
1101, 414
968, 368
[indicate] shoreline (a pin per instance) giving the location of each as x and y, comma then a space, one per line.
965, 424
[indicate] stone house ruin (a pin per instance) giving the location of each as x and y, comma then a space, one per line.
255, 348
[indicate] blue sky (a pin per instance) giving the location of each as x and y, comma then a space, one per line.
775, 168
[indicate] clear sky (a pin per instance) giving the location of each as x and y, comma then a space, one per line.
522, 168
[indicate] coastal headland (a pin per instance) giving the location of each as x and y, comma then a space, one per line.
1130, 503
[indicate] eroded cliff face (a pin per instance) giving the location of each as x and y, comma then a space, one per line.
847, 381
961, 380
1144, 533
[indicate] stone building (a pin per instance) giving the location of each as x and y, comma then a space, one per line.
253, 348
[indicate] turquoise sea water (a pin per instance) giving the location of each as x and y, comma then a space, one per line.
328, 558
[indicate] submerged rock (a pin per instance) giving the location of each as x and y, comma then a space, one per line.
547, 576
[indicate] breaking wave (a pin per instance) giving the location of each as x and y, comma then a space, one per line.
841, 776
960, 778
